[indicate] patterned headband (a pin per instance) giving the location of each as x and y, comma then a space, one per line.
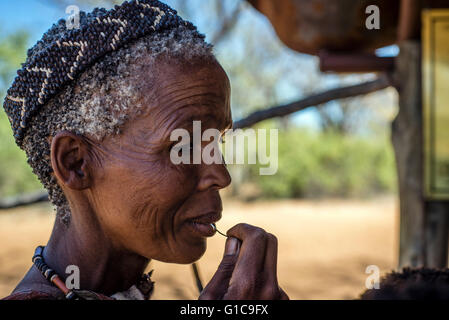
103, 31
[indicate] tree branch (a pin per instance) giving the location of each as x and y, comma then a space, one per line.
380, 83
23, 200
227, 23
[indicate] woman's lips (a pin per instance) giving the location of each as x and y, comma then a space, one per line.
201, 225
204, 230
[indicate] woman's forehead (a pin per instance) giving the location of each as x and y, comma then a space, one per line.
183, 93
211, 114
211, 117
161, 74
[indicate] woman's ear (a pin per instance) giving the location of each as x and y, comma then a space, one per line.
70, 160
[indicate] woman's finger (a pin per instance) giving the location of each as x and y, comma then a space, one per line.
271, 258
270, 289
253, 246
248, 278
284, 296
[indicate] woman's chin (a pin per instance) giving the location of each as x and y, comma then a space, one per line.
185, 254
194, 254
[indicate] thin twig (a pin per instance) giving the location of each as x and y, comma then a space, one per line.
196, 273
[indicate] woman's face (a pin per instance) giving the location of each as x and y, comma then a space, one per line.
146, 203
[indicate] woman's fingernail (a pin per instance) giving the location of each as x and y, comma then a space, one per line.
232, 246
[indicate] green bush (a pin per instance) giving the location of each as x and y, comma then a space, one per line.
16, 175
313, 164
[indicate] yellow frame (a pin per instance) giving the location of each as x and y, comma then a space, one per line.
435, 95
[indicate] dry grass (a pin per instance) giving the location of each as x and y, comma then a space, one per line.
324, 246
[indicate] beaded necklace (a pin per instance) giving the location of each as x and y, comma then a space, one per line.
144, 287
51, 275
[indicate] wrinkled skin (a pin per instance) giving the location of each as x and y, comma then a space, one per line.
131, 204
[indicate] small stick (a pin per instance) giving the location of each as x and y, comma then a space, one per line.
196, 273
215, 228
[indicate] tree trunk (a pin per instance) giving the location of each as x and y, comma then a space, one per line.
407, 143
423, 238
436, 228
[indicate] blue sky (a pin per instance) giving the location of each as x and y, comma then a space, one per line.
34, 16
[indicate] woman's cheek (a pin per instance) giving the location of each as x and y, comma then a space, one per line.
167, 185
185, 175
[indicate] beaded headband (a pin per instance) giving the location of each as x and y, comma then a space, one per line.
60, 62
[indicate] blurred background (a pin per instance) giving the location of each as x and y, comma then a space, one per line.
333, 204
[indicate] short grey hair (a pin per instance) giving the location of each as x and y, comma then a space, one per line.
87, 107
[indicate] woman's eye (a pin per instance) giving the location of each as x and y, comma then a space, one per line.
178, 148
190, 146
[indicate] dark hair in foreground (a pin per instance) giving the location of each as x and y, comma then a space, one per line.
412, 284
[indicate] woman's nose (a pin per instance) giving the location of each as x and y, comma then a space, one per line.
213, 176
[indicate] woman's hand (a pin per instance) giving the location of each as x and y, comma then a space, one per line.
248, 268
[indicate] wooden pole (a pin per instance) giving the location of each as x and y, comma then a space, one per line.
407, 142
436, 231
354, 62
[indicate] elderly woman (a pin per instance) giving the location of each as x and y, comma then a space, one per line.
94, 108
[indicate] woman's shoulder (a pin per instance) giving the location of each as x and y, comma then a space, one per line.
31, 295
35, 287
41, 295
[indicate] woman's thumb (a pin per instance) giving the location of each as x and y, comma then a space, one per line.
218, 285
